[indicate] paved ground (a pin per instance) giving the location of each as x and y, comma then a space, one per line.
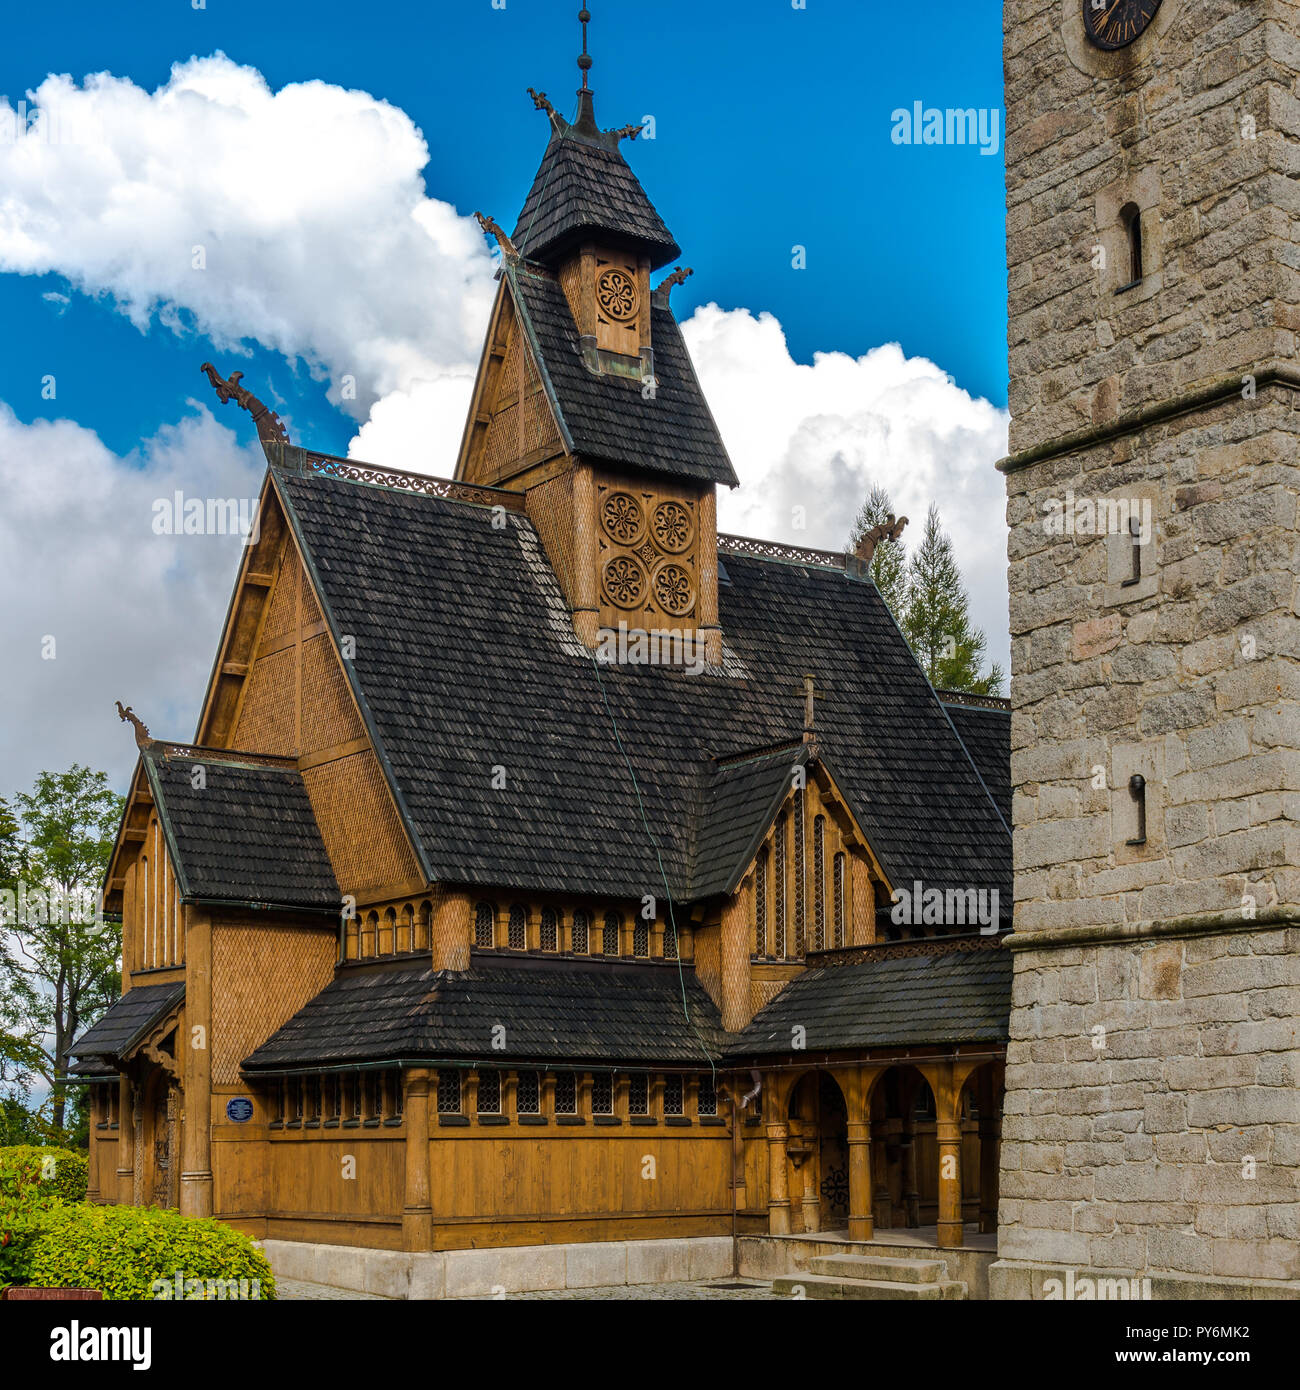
721, 1289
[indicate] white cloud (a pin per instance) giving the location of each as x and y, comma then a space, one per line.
316, 236
817, 436
134, 616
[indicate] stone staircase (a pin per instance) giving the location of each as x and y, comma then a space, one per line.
871, 1276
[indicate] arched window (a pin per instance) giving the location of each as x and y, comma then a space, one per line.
778, 926
800, 878
350, 933
484, 926
840, 939
581, 932
1130, 218
641, 939
670, 938
388, 933
144, 915
819, 883
369, 934
550, 930
609, 937
518, 931
406, 932
425, 939
760, 902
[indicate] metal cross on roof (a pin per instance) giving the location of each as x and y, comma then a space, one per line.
810, 694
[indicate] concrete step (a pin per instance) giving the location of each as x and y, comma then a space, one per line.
824, 1286
879, 1267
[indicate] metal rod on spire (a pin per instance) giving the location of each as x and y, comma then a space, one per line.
584, 62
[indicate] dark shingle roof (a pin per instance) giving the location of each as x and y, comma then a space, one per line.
247, 834
127, 1021
987, 736
468, 662
905, 1001
607, 416
737, 805
584, 186
565, 1014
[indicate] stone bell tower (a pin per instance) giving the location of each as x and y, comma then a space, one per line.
1152, 1120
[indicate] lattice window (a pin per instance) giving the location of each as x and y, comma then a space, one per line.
707, 1096
528, 1094
638, 1095
602, 1094
641, 939
670, 940
449, 1092
609, 937
518, 936
489, 1093
424, 941
819, 883
778, 944
760, 902
406, 930
839, 898
800, 877
673, 1095
566, 1093
581, 933
550, 930
484, 926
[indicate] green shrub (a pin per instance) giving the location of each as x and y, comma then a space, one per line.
19, 1227
123, 1250
35, 1176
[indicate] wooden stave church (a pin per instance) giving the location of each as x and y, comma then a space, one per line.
354, 906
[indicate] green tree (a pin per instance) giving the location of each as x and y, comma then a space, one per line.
936, 619
888, 566
58, 959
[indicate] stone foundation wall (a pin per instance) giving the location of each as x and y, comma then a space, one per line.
1152, 1113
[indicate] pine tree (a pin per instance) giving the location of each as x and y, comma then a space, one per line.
888, 566
936, 620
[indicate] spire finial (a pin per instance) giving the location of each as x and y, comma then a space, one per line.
584, 62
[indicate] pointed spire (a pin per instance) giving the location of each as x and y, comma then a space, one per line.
584, 62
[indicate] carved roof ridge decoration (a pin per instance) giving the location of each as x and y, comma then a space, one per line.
965, 697
270, 428
761, 549
661, 293
887, 530
493, 228
143, 738
894, 950
399, 480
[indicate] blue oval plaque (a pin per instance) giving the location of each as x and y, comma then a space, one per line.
239, 1109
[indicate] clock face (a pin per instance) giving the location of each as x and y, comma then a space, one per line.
1114, 24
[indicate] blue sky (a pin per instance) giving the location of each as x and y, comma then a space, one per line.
773, 129
329, 163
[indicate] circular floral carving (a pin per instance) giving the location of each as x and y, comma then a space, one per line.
673, 590
624, 581
671, 526
617, 294
622, 518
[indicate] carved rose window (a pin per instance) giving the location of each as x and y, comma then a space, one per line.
673, 590
624, 581
672, 526
617, 294
621, 517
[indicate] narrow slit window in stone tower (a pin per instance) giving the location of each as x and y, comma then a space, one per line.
1135, 531
1137, 785
1130, 218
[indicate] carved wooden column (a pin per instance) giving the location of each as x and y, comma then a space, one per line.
864, 900
195, 1046
586, 556
861, 1224
125, 1140
417, 1211
946, 1081
778, 1205
451, 930
709, 627
735, 957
